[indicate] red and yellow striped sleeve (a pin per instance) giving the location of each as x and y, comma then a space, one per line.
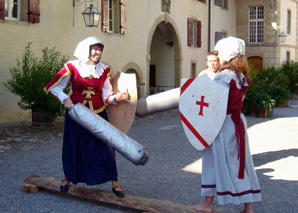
65, 71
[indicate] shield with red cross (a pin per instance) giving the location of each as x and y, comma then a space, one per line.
203, 108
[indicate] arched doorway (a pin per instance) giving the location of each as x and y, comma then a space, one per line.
256, 62
164, 61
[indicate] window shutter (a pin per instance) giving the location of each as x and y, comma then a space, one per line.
2, 9
122, 16
223, 4
33, 12
189, 28
105, 15
199, 33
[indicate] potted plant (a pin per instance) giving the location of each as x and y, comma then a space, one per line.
277, 84
29, 77
262, 103
268, 89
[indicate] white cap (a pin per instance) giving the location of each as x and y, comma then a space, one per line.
83, 48
229, 48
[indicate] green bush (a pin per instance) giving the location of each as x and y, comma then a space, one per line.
290, 69
29, 77
277, 83
268, 87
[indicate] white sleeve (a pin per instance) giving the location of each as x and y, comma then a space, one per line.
58, 90
107, 93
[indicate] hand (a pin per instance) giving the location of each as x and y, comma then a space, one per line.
68, 103
123, 96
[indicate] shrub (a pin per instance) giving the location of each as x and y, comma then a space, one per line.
290, 69
29, 77
268, 87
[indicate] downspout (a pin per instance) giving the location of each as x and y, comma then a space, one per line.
209, 25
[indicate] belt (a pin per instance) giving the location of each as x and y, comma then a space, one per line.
240, 137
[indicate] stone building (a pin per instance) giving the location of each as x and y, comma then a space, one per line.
161, 41
261, 23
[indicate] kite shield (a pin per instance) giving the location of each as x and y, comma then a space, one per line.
122, 115
203, 109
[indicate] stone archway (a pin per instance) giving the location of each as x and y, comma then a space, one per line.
163, 56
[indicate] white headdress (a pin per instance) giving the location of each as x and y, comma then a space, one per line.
83, 48
230, 47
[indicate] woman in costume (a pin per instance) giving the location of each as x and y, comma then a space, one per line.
85, 158
227, 168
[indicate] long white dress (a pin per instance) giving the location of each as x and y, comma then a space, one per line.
220, 167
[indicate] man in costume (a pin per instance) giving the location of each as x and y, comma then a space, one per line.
86, 159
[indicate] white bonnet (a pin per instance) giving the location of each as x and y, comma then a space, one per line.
230, 47
83, 48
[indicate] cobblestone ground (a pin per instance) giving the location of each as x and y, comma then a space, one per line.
18, 136
171, 174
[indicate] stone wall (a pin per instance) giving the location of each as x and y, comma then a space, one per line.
268, 49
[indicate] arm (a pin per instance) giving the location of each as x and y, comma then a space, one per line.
107, 94
57, 91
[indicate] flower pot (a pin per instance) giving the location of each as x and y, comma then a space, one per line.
40, 122
262, 114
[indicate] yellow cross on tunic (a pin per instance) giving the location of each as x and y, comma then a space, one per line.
89, 92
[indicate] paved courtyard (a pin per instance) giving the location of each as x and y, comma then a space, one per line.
172, 173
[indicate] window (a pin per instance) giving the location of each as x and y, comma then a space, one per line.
289, 22
114, 16
12, 9
256, 24
20, 10
193, 68
288, 56
219, 36
111, 15
221, 3
193, 33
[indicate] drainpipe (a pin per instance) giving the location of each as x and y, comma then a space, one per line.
209, 25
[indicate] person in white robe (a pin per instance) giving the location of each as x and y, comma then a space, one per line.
227, 167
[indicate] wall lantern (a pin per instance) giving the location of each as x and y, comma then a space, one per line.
282, 37
91, 15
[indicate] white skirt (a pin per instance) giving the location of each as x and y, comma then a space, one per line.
221, 167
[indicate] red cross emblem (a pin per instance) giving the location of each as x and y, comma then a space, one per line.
202, 104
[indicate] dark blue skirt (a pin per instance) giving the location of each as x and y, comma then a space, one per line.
85, 158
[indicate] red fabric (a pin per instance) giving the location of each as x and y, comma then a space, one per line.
56, 79
2, 9
234, 107
84, 89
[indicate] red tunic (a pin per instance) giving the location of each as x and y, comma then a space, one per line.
85, 90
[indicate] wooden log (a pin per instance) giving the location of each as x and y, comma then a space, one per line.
129, 201
30, 189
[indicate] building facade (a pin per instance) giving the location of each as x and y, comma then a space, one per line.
260, 23
161, 41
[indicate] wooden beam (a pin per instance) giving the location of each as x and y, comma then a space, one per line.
129, 201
